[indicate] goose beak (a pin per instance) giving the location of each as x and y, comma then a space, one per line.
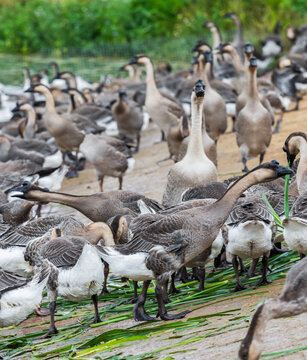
133, 61
248, 48
200, 88
205, 24
227, 15
253, 61
31, 89
122, 68
282, 171
290, 158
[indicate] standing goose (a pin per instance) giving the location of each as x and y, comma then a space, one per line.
214, 110
105, 158
77, 270
161, 245
97, 207
65, 132
292, 301
163, 111
129, 118
248, 233
253, 125
195, 167
19, 296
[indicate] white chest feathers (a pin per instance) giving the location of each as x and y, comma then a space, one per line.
12, 259
249, 240
295, 234
84, 279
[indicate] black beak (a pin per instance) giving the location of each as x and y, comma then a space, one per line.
122, 68
248, 48
253, 61
282, 171
200, 88
123, 96
227, 15
290, 158
208, 56
30, 89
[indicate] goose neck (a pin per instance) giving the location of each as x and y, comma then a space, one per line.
150, 79
252, 84
50, 105
217, 39
301, 173
195, 146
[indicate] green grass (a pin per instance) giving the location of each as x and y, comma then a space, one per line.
76, 341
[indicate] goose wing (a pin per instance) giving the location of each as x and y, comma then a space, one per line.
63, 252
10, 281
249, 209
153, 230
299, 208
21, 235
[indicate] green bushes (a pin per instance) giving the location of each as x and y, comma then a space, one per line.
28, 26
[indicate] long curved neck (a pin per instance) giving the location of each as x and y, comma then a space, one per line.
237, 61
195, 146
217, 39
239, 34
151, 87
71, 81
301, 174
31, 117
50, 105
203, 68
252, 85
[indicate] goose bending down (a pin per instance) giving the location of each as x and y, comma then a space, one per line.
195, 168
97, 207
105, 158
129, 118
163, 111
295, 226
19, 296
77, 270
248, 233
253, 125
162, 245
292, 301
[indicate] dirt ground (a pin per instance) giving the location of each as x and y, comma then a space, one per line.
149, 178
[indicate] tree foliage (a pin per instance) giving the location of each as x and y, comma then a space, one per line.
28, 26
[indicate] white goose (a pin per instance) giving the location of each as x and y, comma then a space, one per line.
19, 296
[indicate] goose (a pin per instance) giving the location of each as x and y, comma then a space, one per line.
298, 37
178, 139
77, 270
162, 244
106, 160
134, 74
65, 132
15, 212
253, 125
291, 302
97, 207
296, 143
129, 118
215, 112
216, 40
163, 111
19, 296
29, 128
238, 41
248, 233
195, 167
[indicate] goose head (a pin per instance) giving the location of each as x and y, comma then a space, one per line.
198, 93
225, 48
201, 46
24, 191
210, 25
230, 15
39, 88
140, 59
270, 171
292, 145
291, 32
26, 107
36, 79
100, 230
253, 63
122, 95
248, 48
208, 56
54, 66
43, 72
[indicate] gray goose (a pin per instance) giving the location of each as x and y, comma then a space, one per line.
292, 301
19, 296
77, 270
129, 118
253, 125
97, 207
163, 111
161, 245
249, 233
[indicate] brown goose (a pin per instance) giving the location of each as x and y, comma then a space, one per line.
161, 245
195, 167
129, 118
292, 301
253, 125
163, 111
97, 207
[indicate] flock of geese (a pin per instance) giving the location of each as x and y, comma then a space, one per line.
58, 125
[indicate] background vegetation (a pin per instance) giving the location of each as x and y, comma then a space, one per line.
28, 26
